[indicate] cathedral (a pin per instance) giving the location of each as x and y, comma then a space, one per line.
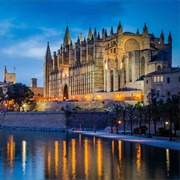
104, 66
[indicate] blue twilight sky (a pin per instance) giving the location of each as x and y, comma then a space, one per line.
27, 25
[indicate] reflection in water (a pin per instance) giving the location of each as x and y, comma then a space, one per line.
86, 159
99, 158
65, 171
56, 157
113, 147
119, 158
11, 150
48, 163
138, 156
73, 158
94, 141
167, 162
24, 156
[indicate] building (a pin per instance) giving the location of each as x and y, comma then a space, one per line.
38, 91
104, 67
162, 84
9, 78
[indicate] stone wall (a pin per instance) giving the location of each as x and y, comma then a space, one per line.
53, 120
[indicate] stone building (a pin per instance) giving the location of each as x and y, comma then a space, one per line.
104, 66
162, 84
38, 91
9, 78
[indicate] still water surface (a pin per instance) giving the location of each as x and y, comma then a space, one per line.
46, 155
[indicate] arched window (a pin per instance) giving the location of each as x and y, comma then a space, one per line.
159, 67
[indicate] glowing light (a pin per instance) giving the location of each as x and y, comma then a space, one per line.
56, 157
167, 161
86, 158
11, 150
138, 156
65, 172
113, 147
49, 164
166, 122
99, 158
24, 156
119, 122
73, 158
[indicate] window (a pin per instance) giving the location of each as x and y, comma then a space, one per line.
158, 79
179, 78
155, 79
146, 81
161, 78
168, 93
114, 50
168, 79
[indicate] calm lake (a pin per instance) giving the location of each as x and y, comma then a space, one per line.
32, 155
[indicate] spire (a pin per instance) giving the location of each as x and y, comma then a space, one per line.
162, 37
170, 38
81, 39
137, 32
145, 30
48, 53
119, 29
90, 34
67, 38
95, 33
111, 32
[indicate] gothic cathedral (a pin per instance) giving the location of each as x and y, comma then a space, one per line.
104, 64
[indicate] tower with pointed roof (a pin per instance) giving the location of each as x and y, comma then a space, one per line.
104, 65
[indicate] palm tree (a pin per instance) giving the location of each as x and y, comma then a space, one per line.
117, 111
173, 112
131, 115
149, 113
139, 113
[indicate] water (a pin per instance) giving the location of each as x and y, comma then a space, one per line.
46, 155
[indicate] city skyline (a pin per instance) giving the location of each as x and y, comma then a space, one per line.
27, 26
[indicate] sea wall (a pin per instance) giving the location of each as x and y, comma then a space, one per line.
53, 120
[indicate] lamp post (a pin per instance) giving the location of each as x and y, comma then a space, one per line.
119, 123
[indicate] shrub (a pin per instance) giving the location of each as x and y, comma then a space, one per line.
140, 130
164, 132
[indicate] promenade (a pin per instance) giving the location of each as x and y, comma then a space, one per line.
154, 141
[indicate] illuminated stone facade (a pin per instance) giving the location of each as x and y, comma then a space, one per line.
105, 66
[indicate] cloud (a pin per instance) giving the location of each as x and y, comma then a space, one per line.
6, 26
31, 48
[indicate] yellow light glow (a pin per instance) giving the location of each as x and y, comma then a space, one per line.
138, 156
56, 157
166, 122
65, 171
11, 150
113, 147
86, 159
99, 158
167, 161
73, 159
48, 164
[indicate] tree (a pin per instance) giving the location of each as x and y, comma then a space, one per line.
173, 112
131, 115
20, 93
117, 111
139, 112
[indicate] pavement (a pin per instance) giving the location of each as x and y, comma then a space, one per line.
154, 141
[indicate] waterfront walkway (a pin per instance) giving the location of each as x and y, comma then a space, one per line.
154, 141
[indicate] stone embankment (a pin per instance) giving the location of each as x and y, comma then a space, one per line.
53, 121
